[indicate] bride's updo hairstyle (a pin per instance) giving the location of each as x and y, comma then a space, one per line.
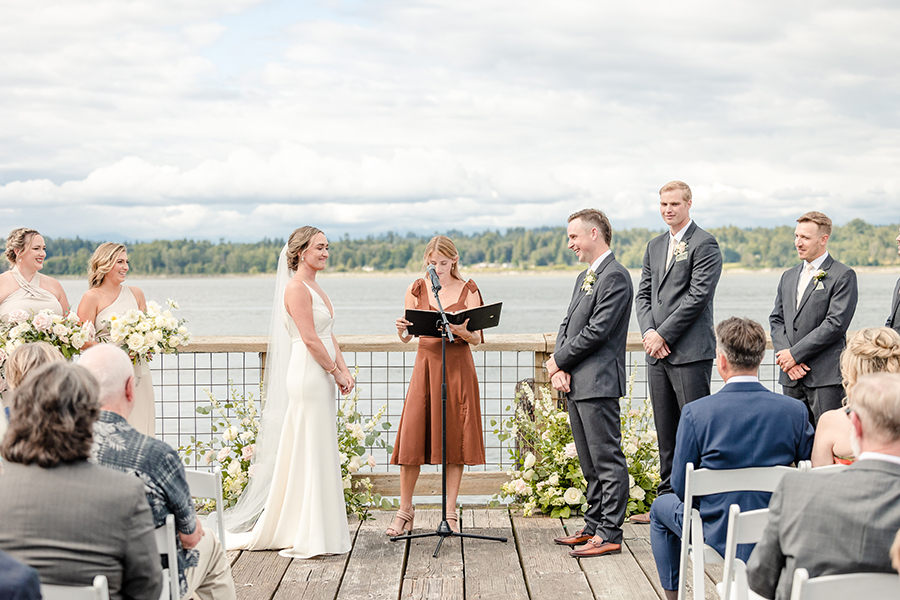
445, 247
102, 261
870, 350
298, 243
16, 242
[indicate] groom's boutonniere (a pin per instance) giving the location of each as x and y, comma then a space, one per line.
588, 284
818, 277
680, 252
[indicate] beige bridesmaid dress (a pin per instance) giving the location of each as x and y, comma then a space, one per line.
143, 417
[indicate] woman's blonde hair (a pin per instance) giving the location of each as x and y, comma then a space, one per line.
16, 242
27, 358
298, 243
102, 261
870, 350
445, 247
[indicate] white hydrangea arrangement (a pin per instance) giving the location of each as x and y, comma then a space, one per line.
143, 334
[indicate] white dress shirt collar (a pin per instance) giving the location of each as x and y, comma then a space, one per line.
596, 264
678, 236
743, 379
817, 263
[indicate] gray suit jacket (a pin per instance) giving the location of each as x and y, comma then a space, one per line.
828, 523
816, 332
79, 520
678, 302
894, 320
591, 341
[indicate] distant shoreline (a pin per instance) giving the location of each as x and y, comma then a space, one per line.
467, 272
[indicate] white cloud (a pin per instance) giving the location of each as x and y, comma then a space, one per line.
241, 115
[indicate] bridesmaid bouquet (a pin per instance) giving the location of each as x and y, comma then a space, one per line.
65, 333
143, 334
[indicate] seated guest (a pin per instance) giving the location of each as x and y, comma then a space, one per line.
21, 360
870, 350
203, 567
69, 519
843, 522
743, 425
18, 581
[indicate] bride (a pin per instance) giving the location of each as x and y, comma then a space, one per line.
296, 483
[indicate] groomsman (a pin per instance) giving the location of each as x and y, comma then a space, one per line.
814, 305
893, 321
675, 312
588, 364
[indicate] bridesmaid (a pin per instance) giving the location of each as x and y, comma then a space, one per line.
23, 287
108, 295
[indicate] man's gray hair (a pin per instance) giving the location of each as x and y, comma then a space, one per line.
742, 341
111, 367
876, 399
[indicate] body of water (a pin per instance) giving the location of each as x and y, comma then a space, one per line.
532, 303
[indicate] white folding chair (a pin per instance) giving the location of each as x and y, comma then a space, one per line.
704, 482
743, 528
98, 591
805, 466
847, 585
165, 544
209, 485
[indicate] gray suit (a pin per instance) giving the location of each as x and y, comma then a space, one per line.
894, 320
828, 523
79, 520
815, 332
591, 348
678, 303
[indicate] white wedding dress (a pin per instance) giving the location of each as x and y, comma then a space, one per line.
304, 513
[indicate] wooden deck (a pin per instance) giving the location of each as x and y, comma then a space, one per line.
527, 567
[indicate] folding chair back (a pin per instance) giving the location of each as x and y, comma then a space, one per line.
743, 528
703, 482
209, 485
847, 585
98, 591
165, 544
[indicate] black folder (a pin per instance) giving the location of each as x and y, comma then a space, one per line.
425, 322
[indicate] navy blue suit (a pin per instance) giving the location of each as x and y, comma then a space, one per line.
18, 581
743, 425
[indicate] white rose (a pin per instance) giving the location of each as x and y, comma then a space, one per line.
630, 480
638, 493
530, 459
573, 496
630, 449
246, 435
135, 342
42, 322
143, 326
174, 341
354, 464
347, 482
182, 330
520, 486
230, 434
159, 322
553, 479
78, 340
343, 457
528, 475
223, 454
571, 451
234, 468
252, 470
357, 431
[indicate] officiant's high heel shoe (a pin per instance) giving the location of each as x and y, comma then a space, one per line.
406, 523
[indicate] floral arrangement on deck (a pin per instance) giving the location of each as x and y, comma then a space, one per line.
237, 422
64, 333
549, 478
143, 334
355, 434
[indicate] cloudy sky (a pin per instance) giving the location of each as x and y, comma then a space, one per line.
241, 119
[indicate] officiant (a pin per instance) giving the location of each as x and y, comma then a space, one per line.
418, 438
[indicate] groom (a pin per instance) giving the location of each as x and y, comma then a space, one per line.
588, 365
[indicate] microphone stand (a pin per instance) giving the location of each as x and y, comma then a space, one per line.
443, 531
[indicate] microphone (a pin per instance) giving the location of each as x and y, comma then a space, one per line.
435, 280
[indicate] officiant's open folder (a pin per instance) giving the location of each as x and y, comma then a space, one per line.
425, 322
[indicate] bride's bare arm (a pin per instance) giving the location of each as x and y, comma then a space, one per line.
298, 301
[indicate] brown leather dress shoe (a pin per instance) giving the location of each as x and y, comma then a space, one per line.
596, 547
643, 518
576, 539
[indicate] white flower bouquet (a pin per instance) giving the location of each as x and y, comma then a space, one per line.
65, 333
143, 334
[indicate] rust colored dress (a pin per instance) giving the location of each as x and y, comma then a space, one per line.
418, 439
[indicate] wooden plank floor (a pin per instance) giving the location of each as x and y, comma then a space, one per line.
529, 566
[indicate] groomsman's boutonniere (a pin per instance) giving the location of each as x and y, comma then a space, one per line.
680, 251
818, 277
588, 284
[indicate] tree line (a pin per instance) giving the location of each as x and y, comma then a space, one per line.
857, 244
